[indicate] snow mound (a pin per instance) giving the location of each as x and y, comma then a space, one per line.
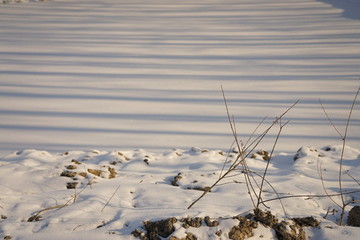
97, 194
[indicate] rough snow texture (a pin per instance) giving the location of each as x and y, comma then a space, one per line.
142, 190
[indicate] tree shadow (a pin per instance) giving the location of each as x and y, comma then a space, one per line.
351, 7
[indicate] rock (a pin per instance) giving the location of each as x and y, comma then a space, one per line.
354, 217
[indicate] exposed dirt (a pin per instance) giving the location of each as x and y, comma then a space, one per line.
285, 230
210, 223
163, 228
69, 174
71, 167
75, 161
189, 236
199, 188
191, 222
306, 222
262, 153
354, 217
243, 230
71, 185
176, 179
266, 218
96, 172
113, 173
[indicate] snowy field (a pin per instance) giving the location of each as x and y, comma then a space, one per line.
87, 80
147, 74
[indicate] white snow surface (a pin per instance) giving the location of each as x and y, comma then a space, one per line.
143, 189
86, 74
139, 79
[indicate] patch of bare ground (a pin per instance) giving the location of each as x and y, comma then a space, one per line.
285, 230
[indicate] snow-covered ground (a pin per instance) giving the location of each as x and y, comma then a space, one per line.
116, 191
130, 74
143, 78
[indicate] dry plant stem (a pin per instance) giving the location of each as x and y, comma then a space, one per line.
343, 138
62, 205
49, 208
248, 182
226, 159
246, 171
110, 197
347, 172
205, 192
241, 157
234, 165
278, 196
261, 136
310, 196
328, 117
319, 168
342, 158
268, 162
253, 133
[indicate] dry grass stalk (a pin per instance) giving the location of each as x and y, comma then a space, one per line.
243, 153
344, 139
111, 197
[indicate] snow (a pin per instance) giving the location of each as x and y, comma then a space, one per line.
133, 74
143, 190
105, 82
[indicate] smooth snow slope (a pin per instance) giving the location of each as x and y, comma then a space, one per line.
131, 74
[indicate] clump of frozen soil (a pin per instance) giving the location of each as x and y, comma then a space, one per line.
354, 217
285, 230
